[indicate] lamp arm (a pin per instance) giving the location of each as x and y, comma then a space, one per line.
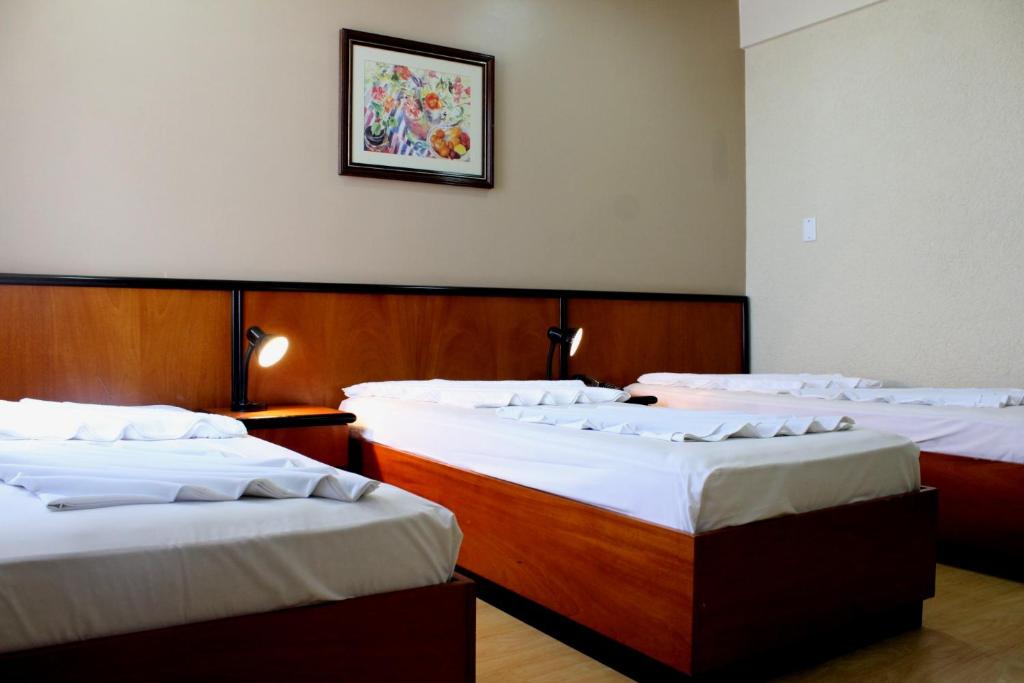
243, 384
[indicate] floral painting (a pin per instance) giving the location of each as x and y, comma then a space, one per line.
416, 112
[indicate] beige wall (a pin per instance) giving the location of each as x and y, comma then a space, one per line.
901, 128
199, 139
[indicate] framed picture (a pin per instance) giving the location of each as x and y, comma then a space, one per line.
414, 111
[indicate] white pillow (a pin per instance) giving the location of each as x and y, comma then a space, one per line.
488, 394
772, 383
34, 419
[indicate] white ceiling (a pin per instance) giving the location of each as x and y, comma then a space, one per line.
761, 20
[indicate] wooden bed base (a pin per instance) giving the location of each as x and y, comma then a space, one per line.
696, 602
981, 512
421, 634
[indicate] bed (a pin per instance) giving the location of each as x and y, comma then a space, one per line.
973, 456
601, 528
255, 588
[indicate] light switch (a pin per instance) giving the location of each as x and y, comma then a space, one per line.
810, 229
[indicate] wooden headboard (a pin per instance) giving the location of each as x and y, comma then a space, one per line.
108, 344
341, 339
140, 340
626, 337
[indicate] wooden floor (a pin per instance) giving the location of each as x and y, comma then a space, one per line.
973, 632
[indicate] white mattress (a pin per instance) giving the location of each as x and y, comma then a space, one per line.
986, 433
689, 486
67, 576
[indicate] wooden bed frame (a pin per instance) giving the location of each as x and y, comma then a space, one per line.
696, 602
421, 634
981, 512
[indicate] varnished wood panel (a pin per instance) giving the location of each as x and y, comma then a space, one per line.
111, 345
981, 511
626, 579
340, 339
422, 634
328, 444
802, 578
625, 338
696, 602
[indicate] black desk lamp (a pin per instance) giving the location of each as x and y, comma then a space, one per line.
272, 348
561, 337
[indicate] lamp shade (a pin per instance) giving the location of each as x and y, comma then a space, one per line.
577, 339
272, 351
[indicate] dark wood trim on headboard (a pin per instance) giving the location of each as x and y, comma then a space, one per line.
351, 288
238, 289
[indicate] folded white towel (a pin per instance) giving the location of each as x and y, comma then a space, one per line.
670, 424
33, 419
768, 383
929, 396
486, 394
67, 478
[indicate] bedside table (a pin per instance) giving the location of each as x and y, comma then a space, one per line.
317, 432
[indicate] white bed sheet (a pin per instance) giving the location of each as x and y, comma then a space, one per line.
985, 433
67, 576
689, 486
